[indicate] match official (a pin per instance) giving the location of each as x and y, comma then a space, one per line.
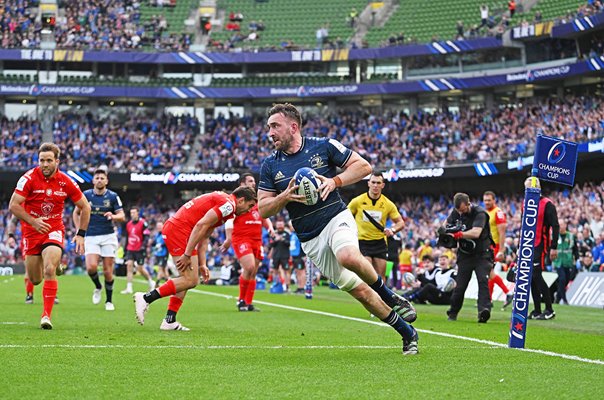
371, 210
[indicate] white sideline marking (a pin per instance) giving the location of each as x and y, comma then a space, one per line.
226, 347
12, 323
443, 334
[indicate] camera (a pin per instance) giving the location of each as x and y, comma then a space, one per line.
444, 237
446, 240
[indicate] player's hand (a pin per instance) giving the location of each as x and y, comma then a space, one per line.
499, 256
327, 186
553, 254
204, 273
389, 232
183, 263
224, 247
108, 215
79, 242
291, 193
40, 226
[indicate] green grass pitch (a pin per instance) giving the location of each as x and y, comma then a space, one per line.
284, 353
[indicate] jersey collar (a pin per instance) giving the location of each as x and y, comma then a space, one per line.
299, 150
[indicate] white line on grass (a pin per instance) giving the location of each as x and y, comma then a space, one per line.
443, 334
198, 347
12, 323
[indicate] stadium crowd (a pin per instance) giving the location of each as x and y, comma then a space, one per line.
395, 140
18, 28
19, 142
140, 143
115, 25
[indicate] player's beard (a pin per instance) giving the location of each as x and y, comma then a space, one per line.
49, 174
284, 142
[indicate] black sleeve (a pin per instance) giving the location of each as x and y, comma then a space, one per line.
480, 220
453, 216
551, 218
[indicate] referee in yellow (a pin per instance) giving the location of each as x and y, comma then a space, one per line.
371, 210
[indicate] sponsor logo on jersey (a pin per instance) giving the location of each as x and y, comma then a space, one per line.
47, 208
279, 175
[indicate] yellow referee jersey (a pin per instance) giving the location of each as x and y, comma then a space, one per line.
380, 209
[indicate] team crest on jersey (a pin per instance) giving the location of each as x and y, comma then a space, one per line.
47, 208
316, 161
49, 192
255, 214
106, 203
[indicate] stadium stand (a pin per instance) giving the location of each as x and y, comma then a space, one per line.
123, 25
18, 28
395, 140
139, 143
287, 22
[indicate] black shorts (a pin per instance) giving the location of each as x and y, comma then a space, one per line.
374, 248
298, 263
136, 256
161, 261
281, 262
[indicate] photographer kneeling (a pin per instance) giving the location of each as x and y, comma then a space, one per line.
468, 230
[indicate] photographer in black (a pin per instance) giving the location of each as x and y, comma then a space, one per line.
468, 230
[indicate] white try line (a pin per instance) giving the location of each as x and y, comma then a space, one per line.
379, 323
200, 347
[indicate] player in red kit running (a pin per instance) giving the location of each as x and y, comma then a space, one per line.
186, 234
498, 226
244, 232
38, 201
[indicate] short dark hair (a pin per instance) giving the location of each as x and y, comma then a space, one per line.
245, 175
490, 193
245, 192
459, 199
50, 147
100, 171
288, 110
378, 174
427, 257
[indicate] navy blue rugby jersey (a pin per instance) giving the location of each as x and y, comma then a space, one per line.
321, 154
100, 204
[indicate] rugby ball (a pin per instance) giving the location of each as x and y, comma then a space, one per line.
450, 285
308, 185
408, 278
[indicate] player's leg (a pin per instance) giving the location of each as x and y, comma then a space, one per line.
108, 250
187, 280
343, 234
535, 286
169, 323
379, 264
329, 264
51, 258
483, 265
300, 275
464, 274
33, 275
247, 280
92, 268
108, 265
129, 273
287, 272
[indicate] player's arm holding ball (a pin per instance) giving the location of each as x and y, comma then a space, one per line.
271, 203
